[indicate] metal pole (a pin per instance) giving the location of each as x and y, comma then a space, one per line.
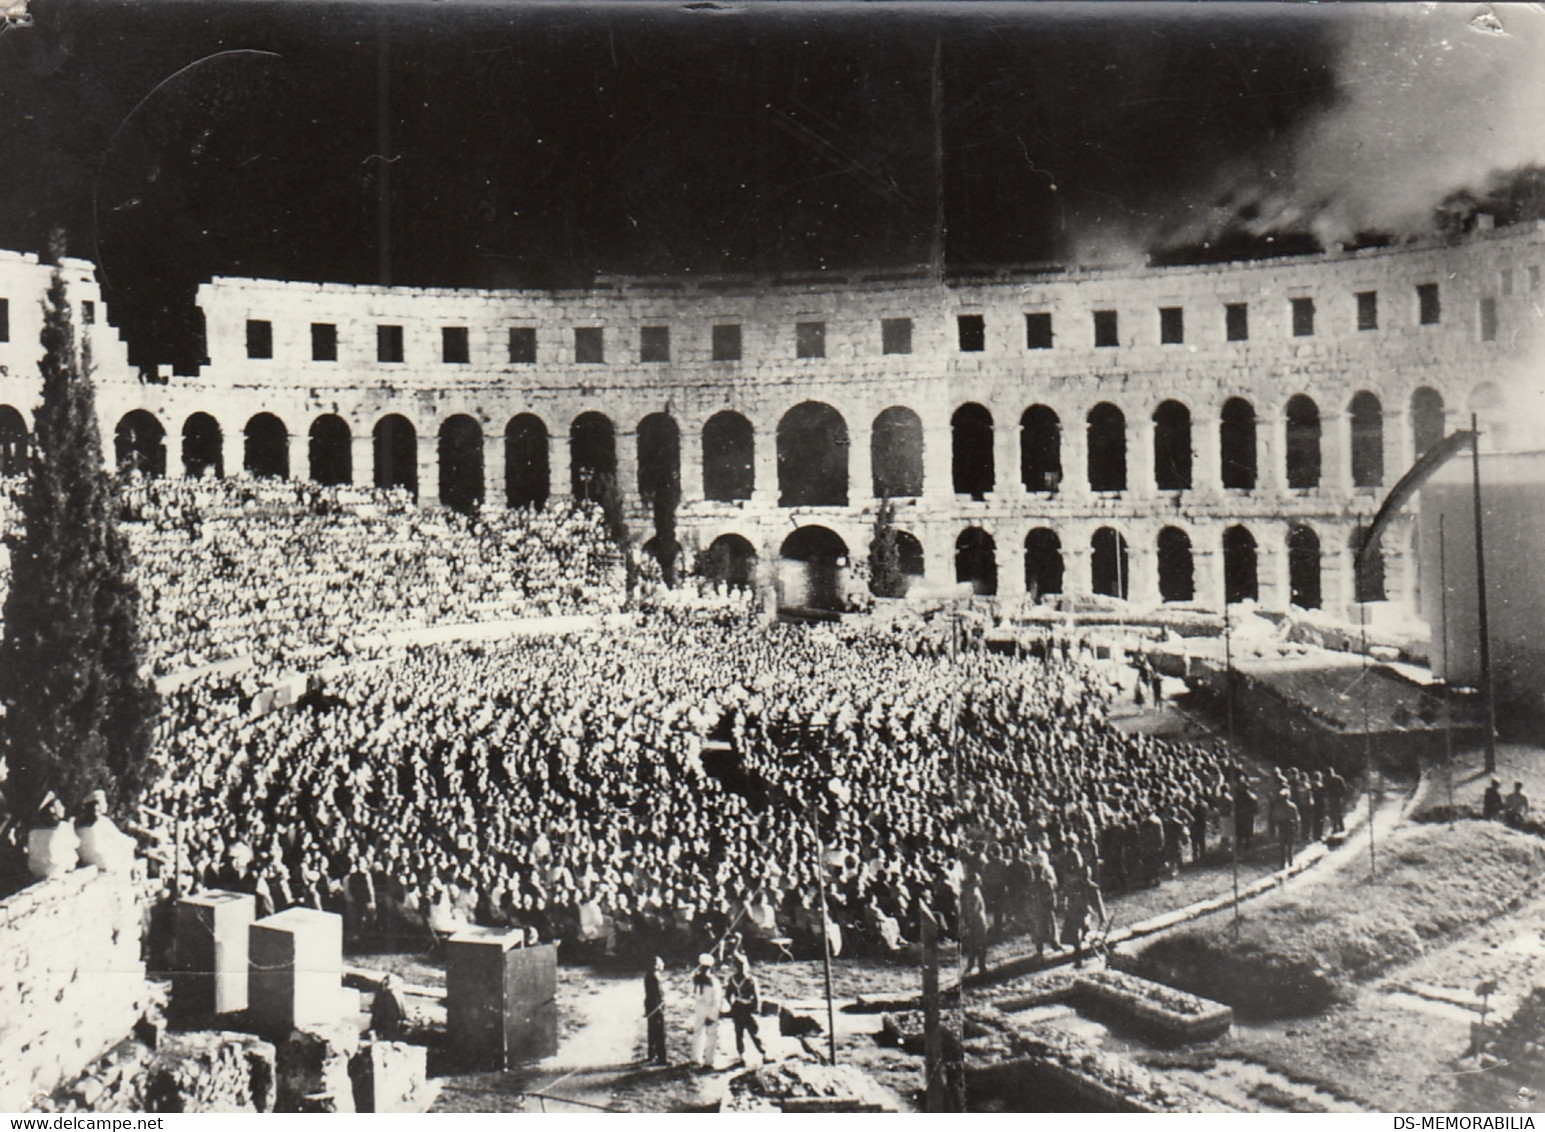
1228, 700
1368, 767
1480, 598
1448, 704
826, 935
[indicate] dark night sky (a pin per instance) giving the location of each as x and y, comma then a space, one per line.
536, 144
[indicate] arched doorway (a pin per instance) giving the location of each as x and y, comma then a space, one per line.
976, 561
1303, 443
1107, 448
908, 565
1172, 447
811, 572
1367, 440
1428, 423
461, 463
139, 444
267, 448
396, 453
659, 459
203, 452
1236, 437
812, 457
13, 442
1304, 567
1040, 449
525, 461
971, 455
1177, 570
1368, 571
730, 559
1240, 578
729, 457
1043, 563
332, 451
1109, 568
666, 552
896, 454
592, 455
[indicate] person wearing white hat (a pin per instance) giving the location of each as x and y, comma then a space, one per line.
101, 842
706, 1004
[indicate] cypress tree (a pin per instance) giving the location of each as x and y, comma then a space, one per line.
886, 579
80, 711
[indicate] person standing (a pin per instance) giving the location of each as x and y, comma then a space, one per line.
973, 927
1082, 900
1285, 824
706, 1003
1335, 800
745, 1001
654, 1012
1515, 807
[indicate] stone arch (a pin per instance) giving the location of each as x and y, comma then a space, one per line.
331, 450
460, 456
1043, 562
1236, 438
396, 453
971, 455
1110, 569
909, 561
14, 442
812, 457
1172, 446
526, 468
659, 458
1107, 448
976, 561
1040, 449
1177, 566
1367, 440
1241, 578
203, 450
139, 444
814, 560
266, 451
668, 553
592, 454
1428, 422
1303, 443
1304, 566
896, 454
731, 559
729, 457
1367, 572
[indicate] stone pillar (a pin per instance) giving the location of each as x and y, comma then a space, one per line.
1143, 569
1336, 453
500, 998
691, 465
494, 495
627, 466
298, 455
860, 465
1207, 456
1006, 483
295, 970
1010, 555
938, 467
1271, 456
764, 490
938, 552
559, 475
230, 452
211, 940
1399, 446
1271, 566
1077, 571
362, 460
1075, 460
1140, 479
428, 470
1207, 568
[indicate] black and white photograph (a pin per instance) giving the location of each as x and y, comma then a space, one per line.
746, 556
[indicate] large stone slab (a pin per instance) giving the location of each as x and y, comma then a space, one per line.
295, 971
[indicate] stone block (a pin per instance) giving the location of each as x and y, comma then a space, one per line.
313, 1070
212, 935
500, 998
295, 970
390, 1077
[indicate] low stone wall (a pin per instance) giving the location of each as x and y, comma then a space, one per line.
72, 982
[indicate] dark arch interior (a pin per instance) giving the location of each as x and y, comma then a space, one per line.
1108, 566
1427, 419
1172, 447
396, 453
1304, 567
971, 450
1367, 440
1043, 563
1107, 448
1040, 449
1303, 444
812, 457
139, 444
267, 450
729, 457
1237, 442
659, 459
816, 583
976, 561
13, 442
896, 454
332, 450
202, 452
730, 559
1368, 570
1240, 578
461, 463
592, 455
1177, 573
525, 461
909, 563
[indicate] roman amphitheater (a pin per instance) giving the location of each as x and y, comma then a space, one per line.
1166, 434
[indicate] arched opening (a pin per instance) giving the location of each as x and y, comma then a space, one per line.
976, 561
659, 459
971, 450
812, 457
1043, 563
909, 563
1107, 448
1428, 424
592, 455
461, 463
1368, 570
731, 560
1303, 443
266, 453
896, 454
1109, 572
814, 560
1304, 567
1172, 447
139, 444
525, 461
1367, 440
729, 457
1177, 572
202, 451
13, 442
1040, 449
332, 451
1240, 577
667, 552
1236, 437
396, 453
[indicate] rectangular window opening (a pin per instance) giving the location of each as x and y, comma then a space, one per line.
654, 344
454, 347
726, 342
324, 342
88, 312
589, 346
5, 320
1038, 330
1430, 308
1172, 326
1303, 318
388, 343
1488, 319
810, 339
896, 335
973, 333
1367, 310
1105, 332
1236, 321
523, 345
260, 338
